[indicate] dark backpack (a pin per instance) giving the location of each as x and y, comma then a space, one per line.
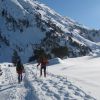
19, 66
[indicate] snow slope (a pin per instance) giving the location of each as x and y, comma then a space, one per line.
82, 71
25, 24
70, 79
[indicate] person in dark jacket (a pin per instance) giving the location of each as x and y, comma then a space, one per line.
42, 61
19, 70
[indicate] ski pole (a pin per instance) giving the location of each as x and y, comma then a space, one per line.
36, 70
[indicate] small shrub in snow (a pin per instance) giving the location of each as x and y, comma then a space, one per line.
60, 51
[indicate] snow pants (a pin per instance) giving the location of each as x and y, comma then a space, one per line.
43, 68
19, 77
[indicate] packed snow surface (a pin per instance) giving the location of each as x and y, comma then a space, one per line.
69, 79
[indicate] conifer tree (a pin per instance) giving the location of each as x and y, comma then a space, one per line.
15, 57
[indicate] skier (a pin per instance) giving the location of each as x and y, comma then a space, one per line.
43, 61
19, 70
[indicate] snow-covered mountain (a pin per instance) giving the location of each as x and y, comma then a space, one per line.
26, 25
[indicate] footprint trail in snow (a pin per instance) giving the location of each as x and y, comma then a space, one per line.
54, 87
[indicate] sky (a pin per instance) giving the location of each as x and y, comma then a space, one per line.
86, 12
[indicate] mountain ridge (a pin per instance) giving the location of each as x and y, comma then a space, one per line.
28, 25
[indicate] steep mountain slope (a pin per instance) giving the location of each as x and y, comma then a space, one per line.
26, 25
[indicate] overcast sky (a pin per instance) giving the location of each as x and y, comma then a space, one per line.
86, 12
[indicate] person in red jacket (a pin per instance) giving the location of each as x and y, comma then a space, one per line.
42, 61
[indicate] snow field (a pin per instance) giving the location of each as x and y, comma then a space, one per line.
70, 79
54, 87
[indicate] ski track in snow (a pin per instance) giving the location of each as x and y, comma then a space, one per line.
31, 93
54, 87
7, 90
11, 90
33, 87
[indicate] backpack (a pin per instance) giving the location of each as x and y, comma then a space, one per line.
19, 66
44, 61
